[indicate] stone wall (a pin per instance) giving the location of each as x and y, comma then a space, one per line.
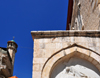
89, 14
49, 43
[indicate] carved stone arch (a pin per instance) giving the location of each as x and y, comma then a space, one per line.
73, 50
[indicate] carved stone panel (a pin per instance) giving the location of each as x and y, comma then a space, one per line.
75, 68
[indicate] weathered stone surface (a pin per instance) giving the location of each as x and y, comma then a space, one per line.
77, 70
86, 15
70, 33
39, 60
36, 74
50, 48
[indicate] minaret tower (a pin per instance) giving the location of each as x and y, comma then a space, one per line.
12, 49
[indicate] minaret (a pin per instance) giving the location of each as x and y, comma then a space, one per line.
12, 49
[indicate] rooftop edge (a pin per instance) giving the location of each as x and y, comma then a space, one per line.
48, 34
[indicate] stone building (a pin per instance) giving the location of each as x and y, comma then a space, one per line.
84, 15
7, 56
74, 53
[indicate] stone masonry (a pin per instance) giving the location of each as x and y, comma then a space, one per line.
49, 46
74, 53
88, 12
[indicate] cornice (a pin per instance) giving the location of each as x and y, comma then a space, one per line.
76, 33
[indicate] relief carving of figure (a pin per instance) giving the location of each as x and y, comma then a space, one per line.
70, 72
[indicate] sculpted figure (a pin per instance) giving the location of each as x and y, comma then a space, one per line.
70, 72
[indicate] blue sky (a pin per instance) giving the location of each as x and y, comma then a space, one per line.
19, 17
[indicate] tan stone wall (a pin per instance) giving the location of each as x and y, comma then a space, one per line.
52, 46
44, 48
90, 14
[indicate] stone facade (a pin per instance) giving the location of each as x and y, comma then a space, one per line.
86, 15
53, 47
74, 53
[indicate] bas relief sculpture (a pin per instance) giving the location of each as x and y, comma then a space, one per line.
75, 69
70, 72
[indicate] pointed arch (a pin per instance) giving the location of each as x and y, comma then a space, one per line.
70, 51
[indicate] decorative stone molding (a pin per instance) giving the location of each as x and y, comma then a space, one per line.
48, 34
69, 52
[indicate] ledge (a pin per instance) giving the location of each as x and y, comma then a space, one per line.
77, 33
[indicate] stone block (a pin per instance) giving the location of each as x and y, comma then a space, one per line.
72, 39
36, 74
58, 46
95, 62
86, 57
42, 45
56, 39
41, 40
45, 40
90, 59
36, 45
98, 66
82, 55
50, 45
64, 44
67, 51
66, 39
41, 66
95, 56
36, 67
48, 52
83, 51
40, 53
39, 60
